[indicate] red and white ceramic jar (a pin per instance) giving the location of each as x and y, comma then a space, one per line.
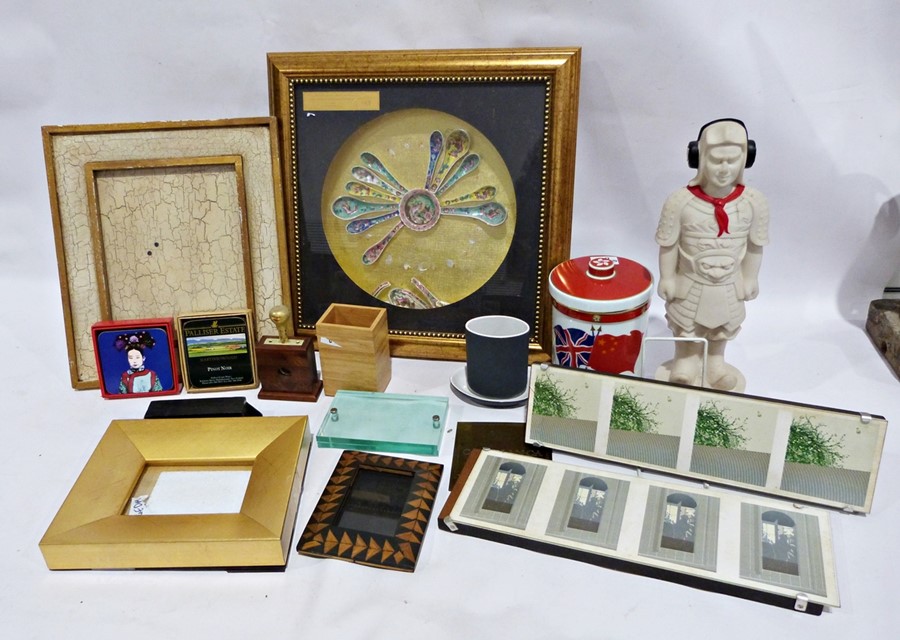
600, 315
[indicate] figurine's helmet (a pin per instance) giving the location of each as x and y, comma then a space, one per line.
716, 134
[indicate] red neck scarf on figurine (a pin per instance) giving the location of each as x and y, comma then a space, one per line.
718, 204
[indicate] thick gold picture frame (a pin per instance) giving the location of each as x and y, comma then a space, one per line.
69, 149
90, 531
372, 83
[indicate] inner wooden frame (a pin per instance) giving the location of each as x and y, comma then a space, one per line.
91, 530
354, 81
168, 307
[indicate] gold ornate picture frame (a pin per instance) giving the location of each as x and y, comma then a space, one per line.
437, 184
163, 177
99, 525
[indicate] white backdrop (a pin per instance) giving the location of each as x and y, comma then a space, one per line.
817, 83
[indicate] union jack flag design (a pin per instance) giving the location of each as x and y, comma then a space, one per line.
573, 347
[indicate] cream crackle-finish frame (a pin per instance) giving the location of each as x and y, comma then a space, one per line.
230, 167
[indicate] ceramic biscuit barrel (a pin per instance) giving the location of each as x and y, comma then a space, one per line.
600, 315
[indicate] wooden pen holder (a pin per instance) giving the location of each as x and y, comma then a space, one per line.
354, 350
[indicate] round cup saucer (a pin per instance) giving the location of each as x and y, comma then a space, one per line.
460, 384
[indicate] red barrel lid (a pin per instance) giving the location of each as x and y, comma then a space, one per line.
601, 284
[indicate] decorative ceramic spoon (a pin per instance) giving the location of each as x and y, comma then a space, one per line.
462, 169
457, 146
358, 226
371, 161
384, 285
360, 189
490, 213
406, 299
432, 299
435, 145
374, 252
365, 175
482, 194
347, 208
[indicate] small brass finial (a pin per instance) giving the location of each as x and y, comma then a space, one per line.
280, 316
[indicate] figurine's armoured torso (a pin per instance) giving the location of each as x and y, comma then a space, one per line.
709, 291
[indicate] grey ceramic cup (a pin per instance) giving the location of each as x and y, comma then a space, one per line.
497, 356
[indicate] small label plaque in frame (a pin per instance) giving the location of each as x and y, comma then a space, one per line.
216, 351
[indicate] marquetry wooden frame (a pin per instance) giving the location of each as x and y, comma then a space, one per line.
323, 537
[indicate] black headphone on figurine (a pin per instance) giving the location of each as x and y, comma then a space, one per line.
693, 150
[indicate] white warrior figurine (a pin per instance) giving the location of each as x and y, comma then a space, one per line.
711, 236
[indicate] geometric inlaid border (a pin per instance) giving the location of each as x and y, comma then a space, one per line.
399, 551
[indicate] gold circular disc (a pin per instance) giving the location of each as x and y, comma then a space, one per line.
452, 258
